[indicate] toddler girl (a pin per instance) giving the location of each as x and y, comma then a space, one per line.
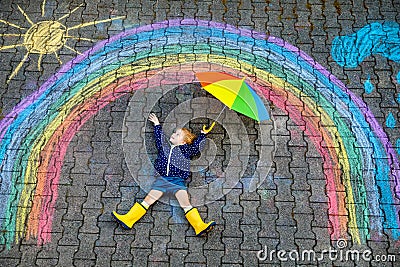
173, 165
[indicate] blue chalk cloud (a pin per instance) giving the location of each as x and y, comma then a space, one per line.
375, 38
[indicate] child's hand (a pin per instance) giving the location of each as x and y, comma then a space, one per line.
153, 118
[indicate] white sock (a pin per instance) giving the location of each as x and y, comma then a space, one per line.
145, 205
186, 209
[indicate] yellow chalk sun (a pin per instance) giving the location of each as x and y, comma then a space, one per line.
45, 37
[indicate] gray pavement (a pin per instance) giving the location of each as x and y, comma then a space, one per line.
317, 185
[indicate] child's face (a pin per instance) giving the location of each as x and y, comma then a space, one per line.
177, 138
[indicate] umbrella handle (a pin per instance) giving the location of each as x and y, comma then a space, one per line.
205, 130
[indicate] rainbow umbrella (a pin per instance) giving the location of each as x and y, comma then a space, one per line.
234, 93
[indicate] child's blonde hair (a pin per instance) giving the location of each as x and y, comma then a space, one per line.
188, 136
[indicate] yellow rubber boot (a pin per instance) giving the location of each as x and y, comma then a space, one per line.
134, 214
200, 227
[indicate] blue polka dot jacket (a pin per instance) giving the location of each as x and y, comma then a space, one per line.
174, 161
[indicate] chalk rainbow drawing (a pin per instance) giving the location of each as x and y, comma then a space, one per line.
398, 146
360, 164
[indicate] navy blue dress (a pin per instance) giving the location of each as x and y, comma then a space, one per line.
173, 162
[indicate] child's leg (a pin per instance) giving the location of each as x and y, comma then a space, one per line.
151, 197
183, 198
192, 214
138, 210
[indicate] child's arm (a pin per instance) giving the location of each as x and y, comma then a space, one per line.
197, 145
159, 135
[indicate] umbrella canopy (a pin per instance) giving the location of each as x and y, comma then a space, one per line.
235, 93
